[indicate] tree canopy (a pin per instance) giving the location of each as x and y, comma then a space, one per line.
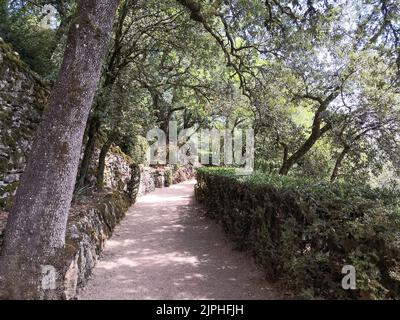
317, 80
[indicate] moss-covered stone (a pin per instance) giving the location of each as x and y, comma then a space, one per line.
116, 150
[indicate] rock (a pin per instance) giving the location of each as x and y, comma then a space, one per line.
146, 181
183, 173
71, 280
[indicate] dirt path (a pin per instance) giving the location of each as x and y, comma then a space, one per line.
166, 249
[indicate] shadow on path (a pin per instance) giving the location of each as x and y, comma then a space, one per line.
166, 249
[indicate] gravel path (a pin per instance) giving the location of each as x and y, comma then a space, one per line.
166, 249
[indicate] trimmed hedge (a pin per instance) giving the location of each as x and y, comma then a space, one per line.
303, 233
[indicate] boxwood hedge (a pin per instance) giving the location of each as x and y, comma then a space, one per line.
303, 233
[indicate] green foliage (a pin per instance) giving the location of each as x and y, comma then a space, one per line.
304, 232
138, 150
247, 64
42, 49
168, 177
34, 44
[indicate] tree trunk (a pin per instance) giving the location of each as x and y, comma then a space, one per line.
289, 163
102, 162
316, 131
35, 233
285, 153
93, 129
338, 163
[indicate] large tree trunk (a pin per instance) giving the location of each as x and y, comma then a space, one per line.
35, 233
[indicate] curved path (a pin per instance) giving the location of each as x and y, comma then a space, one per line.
166, 249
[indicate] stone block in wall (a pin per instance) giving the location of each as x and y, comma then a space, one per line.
146, 181
117, 171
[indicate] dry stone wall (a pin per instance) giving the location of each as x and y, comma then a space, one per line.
23, 97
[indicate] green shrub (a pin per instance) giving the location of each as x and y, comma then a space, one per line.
303, 233
167, 177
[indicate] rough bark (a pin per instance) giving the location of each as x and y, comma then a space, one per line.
35, 233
